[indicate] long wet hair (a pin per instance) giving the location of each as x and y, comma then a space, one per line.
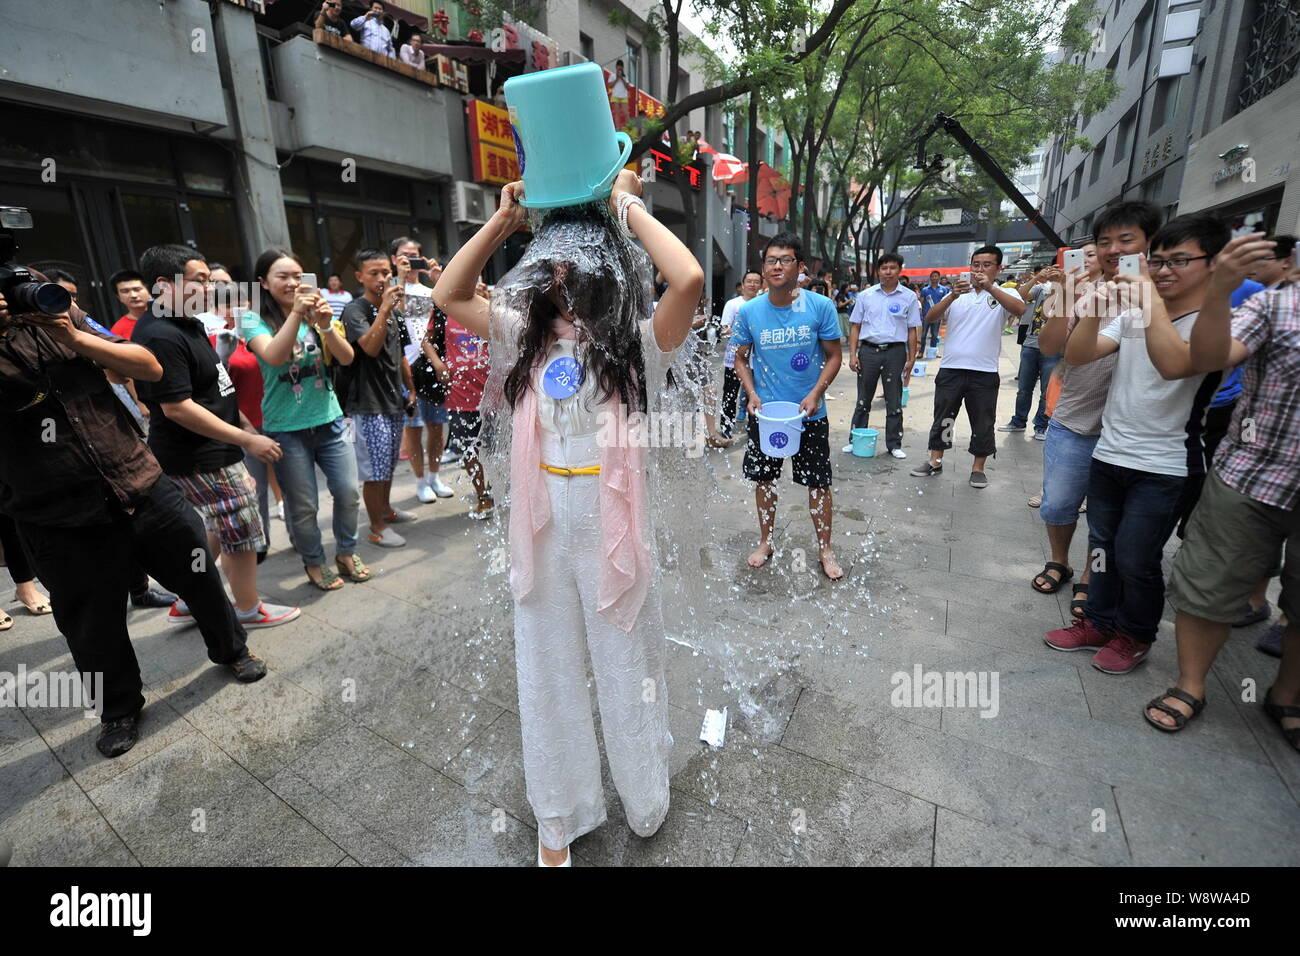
600, 277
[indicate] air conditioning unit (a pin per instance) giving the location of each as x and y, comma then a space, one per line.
471, 203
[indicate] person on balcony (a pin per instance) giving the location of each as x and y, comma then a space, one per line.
375, 34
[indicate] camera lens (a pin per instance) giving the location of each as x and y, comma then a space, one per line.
44, 297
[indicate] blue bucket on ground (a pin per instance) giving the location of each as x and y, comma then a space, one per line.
864, 442
780, 426
568, 150
931, 351
907, 391
919, 369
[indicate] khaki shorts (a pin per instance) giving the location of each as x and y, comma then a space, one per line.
1232, 543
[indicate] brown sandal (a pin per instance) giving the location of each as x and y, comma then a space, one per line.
1180, 719
1280, 711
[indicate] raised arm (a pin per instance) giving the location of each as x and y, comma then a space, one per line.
1212, 345
676, 310
124, 358
454, 291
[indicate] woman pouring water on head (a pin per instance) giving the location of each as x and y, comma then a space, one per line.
573, 343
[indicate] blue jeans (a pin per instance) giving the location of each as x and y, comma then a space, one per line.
329, 447
1034, 367
1067, 460
928, 330
1131, 515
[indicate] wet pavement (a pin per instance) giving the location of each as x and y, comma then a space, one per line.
386, 731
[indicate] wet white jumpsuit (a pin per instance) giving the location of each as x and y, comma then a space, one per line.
557, 620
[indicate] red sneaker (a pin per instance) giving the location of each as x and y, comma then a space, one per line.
1079, 636
1121, 654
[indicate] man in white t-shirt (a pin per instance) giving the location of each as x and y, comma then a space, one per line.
1150, 437
750, 285
976, 311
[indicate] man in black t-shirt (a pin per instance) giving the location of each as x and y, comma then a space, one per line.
375, 402
198, 433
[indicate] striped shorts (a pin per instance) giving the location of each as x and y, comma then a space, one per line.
227, 502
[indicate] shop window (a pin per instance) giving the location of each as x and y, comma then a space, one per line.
150, 221
216, 232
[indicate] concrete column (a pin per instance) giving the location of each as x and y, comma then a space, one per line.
705, 217
258, 194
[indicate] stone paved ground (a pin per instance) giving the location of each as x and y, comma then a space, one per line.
424, 766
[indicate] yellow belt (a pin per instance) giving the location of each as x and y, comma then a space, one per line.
570, 472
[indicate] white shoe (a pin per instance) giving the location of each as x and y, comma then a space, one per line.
440, 488
279, 510
401, 517
847, 448
898, 453
449, 457
425, 493
388, 539
568, 858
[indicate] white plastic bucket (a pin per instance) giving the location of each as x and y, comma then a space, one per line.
780, 426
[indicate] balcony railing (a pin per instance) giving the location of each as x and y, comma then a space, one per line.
1274, 50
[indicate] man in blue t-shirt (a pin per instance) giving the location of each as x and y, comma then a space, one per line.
930, 294
788, 350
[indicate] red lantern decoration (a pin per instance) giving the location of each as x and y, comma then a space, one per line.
442, 21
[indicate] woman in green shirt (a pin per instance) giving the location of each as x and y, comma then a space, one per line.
300, 411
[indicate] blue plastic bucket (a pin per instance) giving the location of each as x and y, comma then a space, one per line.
919, 369
864, 442
931, 351
907, 391
780, 426
564, 135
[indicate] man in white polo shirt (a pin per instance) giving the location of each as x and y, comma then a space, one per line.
882, 345
976, 310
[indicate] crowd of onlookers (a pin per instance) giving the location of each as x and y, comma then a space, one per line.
184, 418
375, 30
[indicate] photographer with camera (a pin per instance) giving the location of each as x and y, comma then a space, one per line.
89, 499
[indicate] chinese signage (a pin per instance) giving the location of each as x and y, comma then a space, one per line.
541, 51
1161, 152
491, 144
665, 167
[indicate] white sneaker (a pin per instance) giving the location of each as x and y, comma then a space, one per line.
440, 488
425, 493
568, 857
449, 457
389, 539
898, 453
279, 510
847, 448
267, 615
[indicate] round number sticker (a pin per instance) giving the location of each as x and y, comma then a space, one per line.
799, 361
894, 307
562, 378
778, 439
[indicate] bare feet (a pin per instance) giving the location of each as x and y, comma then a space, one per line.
761, 555
831, 567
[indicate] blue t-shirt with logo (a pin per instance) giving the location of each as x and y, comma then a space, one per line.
930, 296
786, 344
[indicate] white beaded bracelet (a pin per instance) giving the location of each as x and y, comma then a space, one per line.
623, 204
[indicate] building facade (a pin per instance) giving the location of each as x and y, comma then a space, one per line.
232, 125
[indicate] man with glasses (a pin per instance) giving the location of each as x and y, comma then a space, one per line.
788, 350
1150, 437
374, 34
199, 434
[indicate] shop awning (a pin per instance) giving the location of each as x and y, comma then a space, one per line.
471, 53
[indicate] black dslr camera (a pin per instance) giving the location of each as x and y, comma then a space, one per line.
22, 291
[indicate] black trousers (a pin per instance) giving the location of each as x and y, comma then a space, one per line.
89, 571
730, 394
874, 365
20, 566
1217, 421
954, 387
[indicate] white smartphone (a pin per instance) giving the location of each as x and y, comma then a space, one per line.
1073, 259
308, 282
1128, 265
965, 277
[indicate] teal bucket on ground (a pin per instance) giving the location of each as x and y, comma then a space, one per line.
907, 392
919, 369
780, 426
864, 442
568, 150
931, 351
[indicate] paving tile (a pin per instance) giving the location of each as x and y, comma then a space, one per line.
962, 841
